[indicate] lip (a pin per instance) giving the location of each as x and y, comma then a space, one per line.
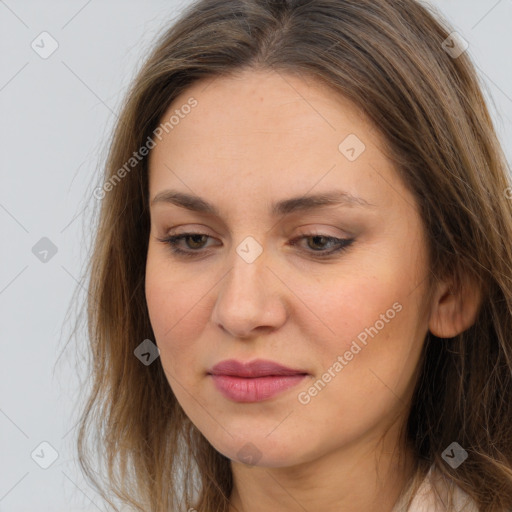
254, 381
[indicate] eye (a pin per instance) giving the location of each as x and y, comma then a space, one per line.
337, 244
199, 239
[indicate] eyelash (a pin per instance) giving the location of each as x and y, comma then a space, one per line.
342, 244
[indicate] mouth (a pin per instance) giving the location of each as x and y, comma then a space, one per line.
254, 381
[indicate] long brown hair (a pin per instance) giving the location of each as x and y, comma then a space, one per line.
387, 57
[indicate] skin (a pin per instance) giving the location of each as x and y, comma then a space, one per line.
253, 139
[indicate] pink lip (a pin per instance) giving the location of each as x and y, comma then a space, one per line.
254, 381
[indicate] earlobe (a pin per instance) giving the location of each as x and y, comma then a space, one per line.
454, 309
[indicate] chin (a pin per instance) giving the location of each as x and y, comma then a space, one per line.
260, 450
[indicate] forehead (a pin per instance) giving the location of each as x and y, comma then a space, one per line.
269, 134
263, 102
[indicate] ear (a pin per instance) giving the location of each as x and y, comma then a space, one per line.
454, 307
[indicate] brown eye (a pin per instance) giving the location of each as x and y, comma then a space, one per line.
317, 247
318, 240
196, 241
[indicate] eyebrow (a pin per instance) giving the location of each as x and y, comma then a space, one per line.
280, 208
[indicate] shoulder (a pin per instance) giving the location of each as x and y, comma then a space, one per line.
435, 492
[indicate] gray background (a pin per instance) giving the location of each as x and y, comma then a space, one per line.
56, 116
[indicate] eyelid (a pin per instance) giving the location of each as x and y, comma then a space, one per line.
340, 246
304, 231
307, 229
323, 231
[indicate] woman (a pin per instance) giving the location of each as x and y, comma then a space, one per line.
301, 286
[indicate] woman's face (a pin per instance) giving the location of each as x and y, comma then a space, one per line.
263, 279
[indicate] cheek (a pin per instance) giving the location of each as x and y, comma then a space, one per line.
366, 373
346, 306
374, 326
160, 299
176, 306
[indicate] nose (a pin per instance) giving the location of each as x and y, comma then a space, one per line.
250, 299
